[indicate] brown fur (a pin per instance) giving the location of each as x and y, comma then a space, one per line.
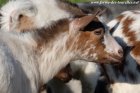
25, 23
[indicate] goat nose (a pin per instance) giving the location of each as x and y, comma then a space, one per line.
120, 52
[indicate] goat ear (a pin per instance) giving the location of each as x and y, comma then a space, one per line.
100, 12
16, 16
19, 21
78, 24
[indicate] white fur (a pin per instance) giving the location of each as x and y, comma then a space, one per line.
125, 88
48, 12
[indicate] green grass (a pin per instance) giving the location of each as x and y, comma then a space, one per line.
2, 2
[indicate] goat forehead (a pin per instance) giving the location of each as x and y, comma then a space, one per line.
88, 37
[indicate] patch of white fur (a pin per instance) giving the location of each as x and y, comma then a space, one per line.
112, 23
125, 88
75, 86
48, 12
56, 57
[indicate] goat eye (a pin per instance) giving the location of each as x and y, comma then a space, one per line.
98, 32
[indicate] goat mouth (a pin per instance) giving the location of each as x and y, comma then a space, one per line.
115, 59
111, 60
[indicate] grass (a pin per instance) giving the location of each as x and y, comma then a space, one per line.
2, 2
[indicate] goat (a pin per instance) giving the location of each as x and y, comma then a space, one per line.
111, 12
125, 78
34, 57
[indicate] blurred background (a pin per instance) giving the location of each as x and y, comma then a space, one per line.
3, 1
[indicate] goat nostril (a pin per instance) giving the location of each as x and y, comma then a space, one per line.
120, 52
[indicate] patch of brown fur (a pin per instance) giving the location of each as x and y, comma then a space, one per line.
25, 22
50, 33
87, 38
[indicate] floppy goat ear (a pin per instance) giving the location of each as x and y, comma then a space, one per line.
20, 21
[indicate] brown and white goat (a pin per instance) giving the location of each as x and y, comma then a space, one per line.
34, 57
128, 30
125, 78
